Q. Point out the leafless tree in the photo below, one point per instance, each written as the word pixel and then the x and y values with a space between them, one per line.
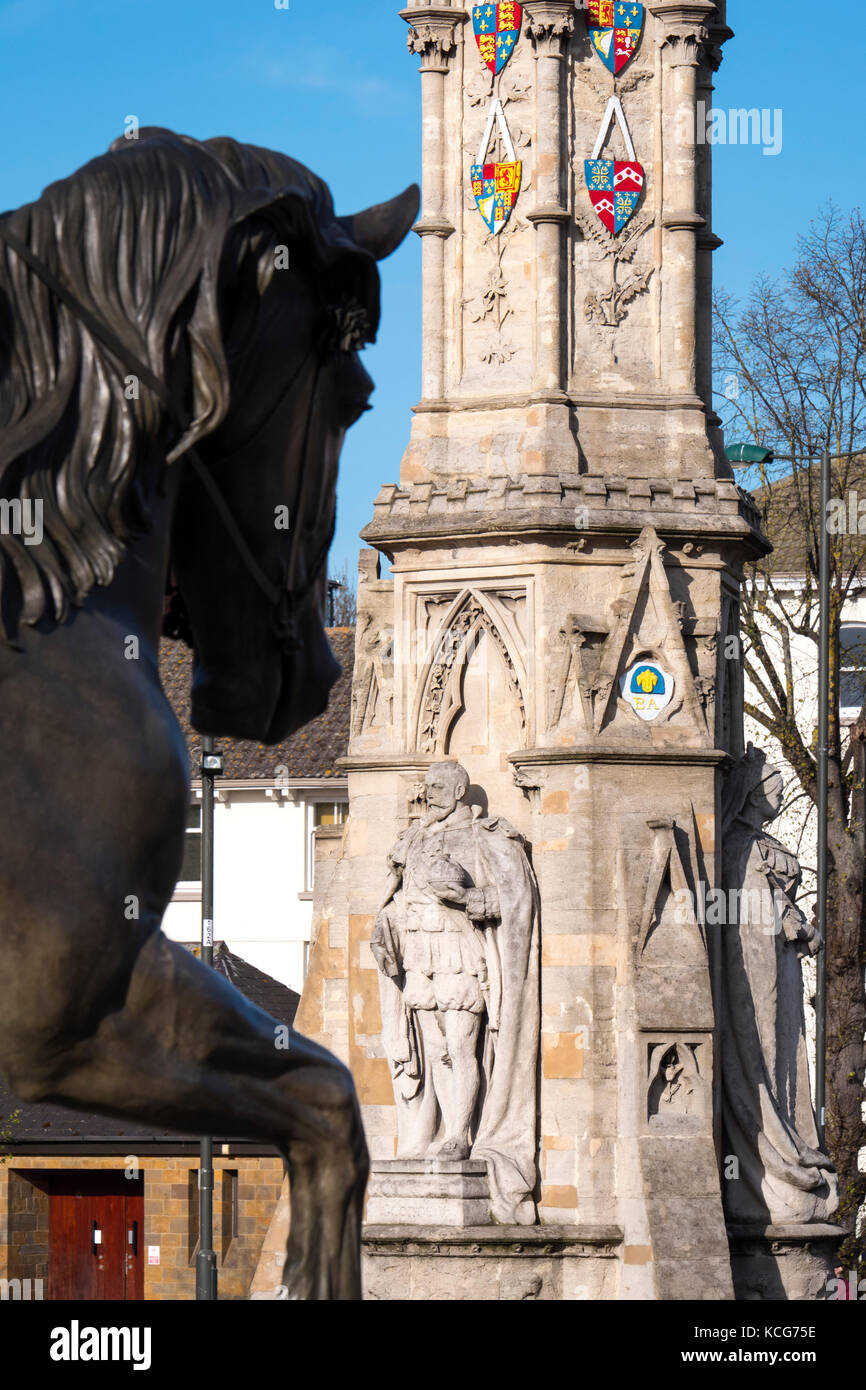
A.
pixel 345 600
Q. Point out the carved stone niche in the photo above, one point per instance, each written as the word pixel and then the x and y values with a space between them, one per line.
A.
pixel 678 1083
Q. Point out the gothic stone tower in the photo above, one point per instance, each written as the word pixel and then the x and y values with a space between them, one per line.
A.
pixel 566 542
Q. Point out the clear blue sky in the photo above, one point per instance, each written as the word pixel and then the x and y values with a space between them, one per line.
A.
pixel 332 83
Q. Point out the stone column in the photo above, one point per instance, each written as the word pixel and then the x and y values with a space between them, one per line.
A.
pixel 684 33
pixel 432 35
pixel 551 22
pixel 707 241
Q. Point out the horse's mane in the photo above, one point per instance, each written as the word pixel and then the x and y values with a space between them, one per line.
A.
pixel 147 237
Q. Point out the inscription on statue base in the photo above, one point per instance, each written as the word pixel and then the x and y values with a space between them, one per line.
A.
pixel 428 1192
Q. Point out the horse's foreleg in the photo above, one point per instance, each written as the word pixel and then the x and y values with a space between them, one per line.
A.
pixel 187 1051
pixel 325 1215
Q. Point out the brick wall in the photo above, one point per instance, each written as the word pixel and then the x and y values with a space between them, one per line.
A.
pixel 170 1218
pixel 26 1219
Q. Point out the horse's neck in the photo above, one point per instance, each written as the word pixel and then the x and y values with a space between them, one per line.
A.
pixel 135 597
pixel 83 716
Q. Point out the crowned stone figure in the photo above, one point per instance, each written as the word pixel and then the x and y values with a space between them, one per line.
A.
pixel 456 942
pixel 769 1121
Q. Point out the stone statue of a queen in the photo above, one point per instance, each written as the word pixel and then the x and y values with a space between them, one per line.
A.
pixel 456 942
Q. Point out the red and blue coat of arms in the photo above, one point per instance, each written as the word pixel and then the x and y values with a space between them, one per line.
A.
pixel 497 29
pixel 496 187
pixel 615 27
pixel 614 185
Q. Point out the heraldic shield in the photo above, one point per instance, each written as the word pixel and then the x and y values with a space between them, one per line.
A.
pixel 615 27
pixel 497 29
pixel 614 185
pixel 496 183
pixel 496 187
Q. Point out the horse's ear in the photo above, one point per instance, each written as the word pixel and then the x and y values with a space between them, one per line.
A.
pixel 380 229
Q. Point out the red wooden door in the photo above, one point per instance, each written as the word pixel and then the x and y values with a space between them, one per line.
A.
pixel 97 1233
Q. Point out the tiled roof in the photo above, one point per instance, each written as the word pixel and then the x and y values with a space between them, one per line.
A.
pixel 312 752
pixel 785 503
pixel 53 1124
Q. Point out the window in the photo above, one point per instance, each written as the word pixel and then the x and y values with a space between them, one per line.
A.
pixel 230 1223
pixel 320 813
pixel 190 873
pixel 192 1211
pixel 852 676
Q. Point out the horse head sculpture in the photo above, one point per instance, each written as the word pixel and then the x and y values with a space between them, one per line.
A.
pixel 179 332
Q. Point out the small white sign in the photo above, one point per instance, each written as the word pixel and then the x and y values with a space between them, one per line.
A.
pixel 648 688
pixel 153 1254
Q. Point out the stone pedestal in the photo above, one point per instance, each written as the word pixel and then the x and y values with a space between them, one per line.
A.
pixel 491 1263
pixel 428 1192
pixel 783 1263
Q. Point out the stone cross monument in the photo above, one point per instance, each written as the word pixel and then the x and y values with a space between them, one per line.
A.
pixel 510 951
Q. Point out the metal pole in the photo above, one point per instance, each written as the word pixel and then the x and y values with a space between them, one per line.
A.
pixel 823 755
pixel 205 1265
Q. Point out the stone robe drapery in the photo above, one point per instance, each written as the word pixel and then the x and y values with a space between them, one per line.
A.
pixel 768 1117
pixel 506 1134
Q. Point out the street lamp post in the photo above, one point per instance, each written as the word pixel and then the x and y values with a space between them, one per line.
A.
pixel 205 1265
pixel 742 455
pixel 823 785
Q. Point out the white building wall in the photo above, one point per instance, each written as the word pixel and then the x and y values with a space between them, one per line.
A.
pixel 796 827
pixel 262 898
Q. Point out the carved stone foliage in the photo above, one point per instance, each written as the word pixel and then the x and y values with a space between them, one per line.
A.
pixel 491 306
pixel 603 83
pixel 684 47
pixel 472 616
pixel 610 308
pixel 433 41
pixel 550 24
pixel 529 779
pixel 512 88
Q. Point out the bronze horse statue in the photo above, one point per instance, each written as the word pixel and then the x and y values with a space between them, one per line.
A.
pixel 179 333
